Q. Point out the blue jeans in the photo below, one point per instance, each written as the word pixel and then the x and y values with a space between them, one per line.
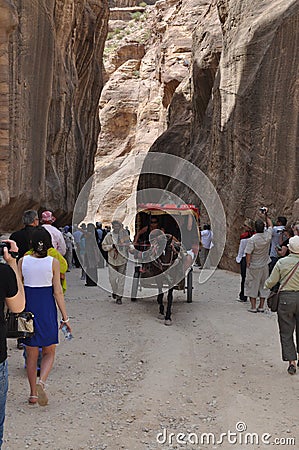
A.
pixel 3 393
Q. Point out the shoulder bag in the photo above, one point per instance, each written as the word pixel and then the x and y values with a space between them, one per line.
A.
pixel 19 325
pixel 273 298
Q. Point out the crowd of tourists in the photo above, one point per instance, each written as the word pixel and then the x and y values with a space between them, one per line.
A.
pixel 269 259
pixel 34 278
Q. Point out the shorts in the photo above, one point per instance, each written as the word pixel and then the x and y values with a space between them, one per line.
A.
pixel 255 282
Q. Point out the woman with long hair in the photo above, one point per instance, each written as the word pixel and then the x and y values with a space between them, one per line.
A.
pixel 43 291
pixel 57 255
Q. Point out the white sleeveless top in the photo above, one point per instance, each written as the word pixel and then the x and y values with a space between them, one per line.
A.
pixel 37 272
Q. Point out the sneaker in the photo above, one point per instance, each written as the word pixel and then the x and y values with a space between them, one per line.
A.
pixel 168 322
pixel 118 301
pixel 252 310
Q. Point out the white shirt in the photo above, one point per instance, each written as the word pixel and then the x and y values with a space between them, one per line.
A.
pixel 57 238
pixel 206 239
pixel 37 272
pixel 241 252
pixel 276 233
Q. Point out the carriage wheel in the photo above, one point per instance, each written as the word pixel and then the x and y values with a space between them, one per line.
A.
pixel 135 284
pixel 189 285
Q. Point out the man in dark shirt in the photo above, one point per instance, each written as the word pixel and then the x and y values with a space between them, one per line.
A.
pixel 23 236
pixel 11 294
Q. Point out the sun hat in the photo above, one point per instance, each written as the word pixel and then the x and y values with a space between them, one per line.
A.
pixel 47 217
pixel 294 244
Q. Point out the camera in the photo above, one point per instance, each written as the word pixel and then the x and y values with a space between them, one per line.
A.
pixel 280 231
pixel 263 210
pixel 2 245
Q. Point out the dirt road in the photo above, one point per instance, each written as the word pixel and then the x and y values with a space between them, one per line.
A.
pixel 126 381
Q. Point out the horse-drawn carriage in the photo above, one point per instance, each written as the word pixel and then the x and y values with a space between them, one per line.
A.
pixel 167 243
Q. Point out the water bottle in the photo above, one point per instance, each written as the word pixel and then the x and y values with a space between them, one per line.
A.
pixel 66 333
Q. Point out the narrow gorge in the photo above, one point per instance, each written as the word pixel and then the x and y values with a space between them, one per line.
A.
pixel 213 82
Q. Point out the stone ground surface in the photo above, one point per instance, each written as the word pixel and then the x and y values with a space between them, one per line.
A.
pixel 125 377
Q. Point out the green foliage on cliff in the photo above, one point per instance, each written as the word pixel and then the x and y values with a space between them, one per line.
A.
pixel 136 15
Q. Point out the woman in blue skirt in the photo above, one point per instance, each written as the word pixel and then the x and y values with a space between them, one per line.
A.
pixel 43 291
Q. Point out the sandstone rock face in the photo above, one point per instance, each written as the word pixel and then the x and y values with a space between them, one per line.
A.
pixel 8 23
pixel 188 105
pixel 51 79
pixel 244 128
pixel 253 133
pixel 148 61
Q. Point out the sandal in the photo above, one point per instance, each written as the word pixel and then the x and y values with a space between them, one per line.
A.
pixel 291 369
pixel 42 397
pixel 32 400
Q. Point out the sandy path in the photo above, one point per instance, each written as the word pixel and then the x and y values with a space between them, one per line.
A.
pixel 125 376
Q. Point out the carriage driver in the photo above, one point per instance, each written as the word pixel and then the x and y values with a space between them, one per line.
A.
pixel 141 238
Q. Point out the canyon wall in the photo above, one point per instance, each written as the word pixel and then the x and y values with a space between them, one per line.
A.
pixel 249 148
pixel 147 59
pixel 51 80
pixel 214 82
pixel 243 132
